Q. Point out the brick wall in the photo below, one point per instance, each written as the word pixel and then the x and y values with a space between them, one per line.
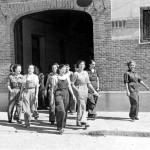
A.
pixel 111 55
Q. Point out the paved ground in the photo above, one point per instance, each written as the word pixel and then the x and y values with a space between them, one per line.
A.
pixel 117 132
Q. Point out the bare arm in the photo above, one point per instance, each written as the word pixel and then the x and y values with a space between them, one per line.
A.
pixel 70 88
pixel 97 83
pixel 144 85
pixel 53 87
pixel 8 85
pixel 127 89
pixel 74 78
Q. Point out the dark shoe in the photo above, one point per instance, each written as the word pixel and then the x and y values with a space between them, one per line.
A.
pixel 136 118
pixel 52 122
pixel 19 121
pixel 10 121
pixel 85 124
pixel 78 124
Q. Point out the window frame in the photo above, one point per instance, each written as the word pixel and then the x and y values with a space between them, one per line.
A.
pixel 142 40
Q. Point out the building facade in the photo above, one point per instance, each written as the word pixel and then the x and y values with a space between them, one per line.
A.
pixel 113 33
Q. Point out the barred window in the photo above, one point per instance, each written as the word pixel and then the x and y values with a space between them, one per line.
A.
pixel 118 24
pixel 145 25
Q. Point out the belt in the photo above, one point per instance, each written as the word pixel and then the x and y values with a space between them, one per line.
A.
pixel 16 88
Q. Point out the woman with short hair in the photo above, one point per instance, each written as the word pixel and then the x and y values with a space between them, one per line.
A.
pixel 80 84
pixel 29 94
pixel 131 81
pixel 92 99
pixel 61 87
pixel 14 85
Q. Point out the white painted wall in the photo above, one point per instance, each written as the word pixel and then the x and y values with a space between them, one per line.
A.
pixel 127 9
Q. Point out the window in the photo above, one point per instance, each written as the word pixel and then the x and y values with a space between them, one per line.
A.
pixel 145 25
pixel 118 24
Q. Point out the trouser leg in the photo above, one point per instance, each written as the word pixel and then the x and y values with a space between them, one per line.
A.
pixel 51 109
pixel 10 109
pixel 60 112
pixel 26 108
pixel 18 108
pixel 134 105
pixel 33 106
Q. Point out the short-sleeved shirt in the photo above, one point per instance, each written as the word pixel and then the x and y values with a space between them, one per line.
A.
pixel 81 78
pixel 31 81
pixel 15 81
pixel 132 78
pixel 51 76
pixel 93 78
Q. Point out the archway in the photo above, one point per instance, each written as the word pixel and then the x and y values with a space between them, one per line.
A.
pixel 62 36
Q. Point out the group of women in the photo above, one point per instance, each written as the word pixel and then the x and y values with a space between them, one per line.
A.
pixel 64 89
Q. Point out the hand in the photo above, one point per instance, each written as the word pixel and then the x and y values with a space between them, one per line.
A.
pixel 96 94
pixel 74 98
pixel 11 91
pixel 128 93
pixel 147 88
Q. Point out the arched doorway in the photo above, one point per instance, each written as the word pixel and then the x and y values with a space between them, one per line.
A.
pixel 62 36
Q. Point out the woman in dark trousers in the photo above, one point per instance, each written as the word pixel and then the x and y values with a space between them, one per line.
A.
pixel 61 87
pixel 92 99
pixel 14 85
pixel 131 80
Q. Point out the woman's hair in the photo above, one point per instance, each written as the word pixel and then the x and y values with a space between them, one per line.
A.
pixel 31 65
pixel 61 66
pixel 91 61
pixel 55 64
pixel 11 67
pixel 79 62
pixel 67 65
pixel 130 62
pixel 15 67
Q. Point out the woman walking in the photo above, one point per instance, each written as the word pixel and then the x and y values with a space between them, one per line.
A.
pixel 72 105
pixel 29 92
pixel 92 99
pixel 48 88
pixel 61 85
pixel 80 84
pixel 14 85
pixel 41 94
pixel 131 80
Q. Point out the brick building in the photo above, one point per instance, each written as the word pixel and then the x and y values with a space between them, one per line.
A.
pixel 47 31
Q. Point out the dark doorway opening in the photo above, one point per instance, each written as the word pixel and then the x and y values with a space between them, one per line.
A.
pixel 62 36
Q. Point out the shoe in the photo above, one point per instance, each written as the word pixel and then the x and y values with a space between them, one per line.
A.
pixel 10 121
pixel 61 131
pixel 36 121
pixel 85 123
pixel 78 124
pixel 19 121
pixel 136 118
pixel 132 118
pixel 52 122
pixel 26 125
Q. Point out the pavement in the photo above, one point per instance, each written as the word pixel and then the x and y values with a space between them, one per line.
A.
pixel 110 130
